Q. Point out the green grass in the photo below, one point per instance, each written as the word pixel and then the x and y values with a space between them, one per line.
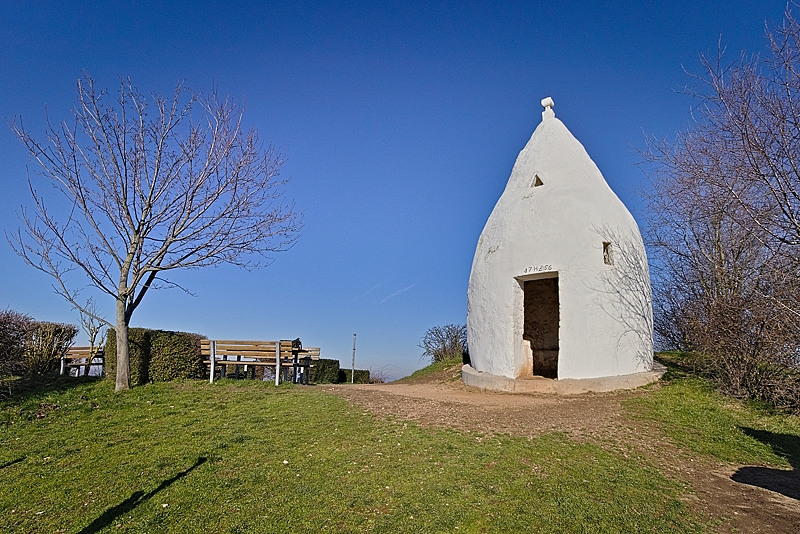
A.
pixel 249 457
pixel 698 418
pixel 434 368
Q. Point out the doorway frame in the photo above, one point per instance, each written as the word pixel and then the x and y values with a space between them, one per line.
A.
pixel 523 345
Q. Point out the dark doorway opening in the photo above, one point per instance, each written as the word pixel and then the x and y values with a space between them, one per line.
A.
pixel 541 325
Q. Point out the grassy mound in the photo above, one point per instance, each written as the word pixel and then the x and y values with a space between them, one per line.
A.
pixel 437 371
pixel 249 457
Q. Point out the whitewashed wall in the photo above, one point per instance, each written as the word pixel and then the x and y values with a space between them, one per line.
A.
pixel 559 228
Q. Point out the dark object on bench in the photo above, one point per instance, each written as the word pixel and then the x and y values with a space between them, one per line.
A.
pixel 301 365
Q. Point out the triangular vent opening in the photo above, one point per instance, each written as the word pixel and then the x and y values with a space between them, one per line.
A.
pixel 537 181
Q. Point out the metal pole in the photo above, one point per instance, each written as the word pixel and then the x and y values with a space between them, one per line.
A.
pixel 353 368
pixel 277 362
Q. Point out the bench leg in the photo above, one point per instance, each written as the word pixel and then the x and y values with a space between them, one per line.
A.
pixel 213 357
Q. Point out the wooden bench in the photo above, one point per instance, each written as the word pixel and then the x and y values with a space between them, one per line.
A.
pixel 251 354
pixel 77 357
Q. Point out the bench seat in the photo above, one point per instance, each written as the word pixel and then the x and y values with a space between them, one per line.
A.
pixel 77 357
pixel 258 354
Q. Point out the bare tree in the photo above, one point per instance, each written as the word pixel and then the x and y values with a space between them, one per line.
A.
pixel 752 108
pixel 716 283
pixel 94 330
pixel 152 185
pixel 46 344
pixel 379 375
pixel 724 223
pixel 441 343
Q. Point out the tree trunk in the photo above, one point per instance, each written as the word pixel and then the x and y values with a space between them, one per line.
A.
pixel 123 362
pixel 88 366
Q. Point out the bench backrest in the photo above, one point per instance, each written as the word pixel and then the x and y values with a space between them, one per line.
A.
pixel 77 353
pixel 253 349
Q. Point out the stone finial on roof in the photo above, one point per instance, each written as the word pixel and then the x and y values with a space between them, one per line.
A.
pixel 548 104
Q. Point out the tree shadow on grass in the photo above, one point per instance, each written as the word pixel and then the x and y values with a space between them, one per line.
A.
pixel 678 364
pixel 136 498
pixel 12 462
pixel 780 481
pixel 39 386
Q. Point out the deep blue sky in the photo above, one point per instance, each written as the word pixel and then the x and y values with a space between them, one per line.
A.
pixel 400 122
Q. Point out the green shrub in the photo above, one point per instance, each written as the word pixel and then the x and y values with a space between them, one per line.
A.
pixel 325 371
pixel 45 345
pixel 361 376
pixel 157 355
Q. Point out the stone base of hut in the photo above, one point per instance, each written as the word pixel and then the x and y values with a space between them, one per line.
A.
pixel 567 386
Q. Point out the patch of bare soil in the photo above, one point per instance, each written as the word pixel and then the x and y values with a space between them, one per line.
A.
pixel 733 496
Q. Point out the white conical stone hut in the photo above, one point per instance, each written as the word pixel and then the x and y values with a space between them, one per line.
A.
pixel 559 286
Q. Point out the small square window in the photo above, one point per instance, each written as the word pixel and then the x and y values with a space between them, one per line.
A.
pixel 608 256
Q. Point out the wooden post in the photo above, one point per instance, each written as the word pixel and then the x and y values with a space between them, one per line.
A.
pixel 213 351
pixel 277 362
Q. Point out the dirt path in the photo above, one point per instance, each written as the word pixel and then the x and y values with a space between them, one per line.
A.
pixel 442 400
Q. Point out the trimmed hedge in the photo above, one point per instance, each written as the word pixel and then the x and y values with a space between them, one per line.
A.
pixel 361 376
pixel 157 355
pixel 329 372
pixel 325 371
pixel 175 355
